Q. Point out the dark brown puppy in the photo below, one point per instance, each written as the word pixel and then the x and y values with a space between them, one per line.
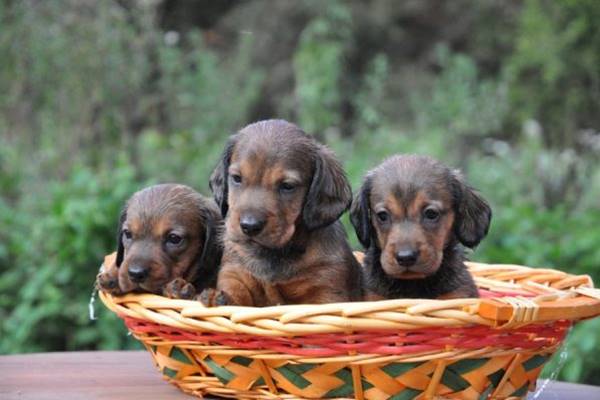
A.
pixel 410 215
pixel 168 243
pixel 282 194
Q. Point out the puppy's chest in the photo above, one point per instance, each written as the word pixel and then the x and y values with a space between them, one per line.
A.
pixel 271 269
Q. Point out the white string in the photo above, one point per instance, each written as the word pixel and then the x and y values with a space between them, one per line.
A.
pixel 91 308
pixel 562 358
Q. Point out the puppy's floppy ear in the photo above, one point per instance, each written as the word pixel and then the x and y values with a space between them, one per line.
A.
pixel 329 194
pixel 473 213
pixel 120 248
pixel 207 266
pixel 218 179
pixel 360 214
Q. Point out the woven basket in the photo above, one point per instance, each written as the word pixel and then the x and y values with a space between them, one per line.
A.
pixel 493 347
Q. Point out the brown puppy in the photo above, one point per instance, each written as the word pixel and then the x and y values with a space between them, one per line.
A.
pixel 168 244
pixel 410 215
pixel 282 194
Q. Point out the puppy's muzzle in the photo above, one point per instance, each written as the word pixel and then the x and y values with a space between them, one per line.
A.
pixel 407 257
pixel 111 283
pixel 252 224
pixel 138 273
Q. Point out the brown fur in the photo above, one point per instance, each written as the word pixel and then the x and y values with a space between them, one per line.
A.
pixel 170 233
pixel 392 216
pixel 274 173
pixel 108 276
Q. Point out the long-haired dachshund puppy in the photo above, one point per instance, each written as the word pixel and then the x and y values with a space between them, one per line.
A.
pixel 167 243
pixel 410 215
pixel 282 194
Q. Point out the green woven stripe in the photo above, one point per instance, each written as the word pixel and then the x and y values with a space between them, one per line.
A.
pixel 397 369
pixel 534 362
pixel 169 372
pixel 454 381
pixel 347 388
pixel 521 391
pixel 300 368
pixel 293 373
pixel 496 377
pixel 259 382
pixel 406 394
pixel 245 361
pixel 486 393
pixel 468 365
pixel 179 355
pixel 222 373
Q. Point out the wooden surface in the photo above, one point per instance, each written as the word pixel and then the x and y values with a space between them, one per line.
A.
pixel 130 375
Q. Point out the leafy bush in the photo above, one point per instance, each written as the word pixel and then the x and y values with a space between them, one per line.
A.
pixel 56 243
pixel 125 107
pixel 318 64
pixel 554 67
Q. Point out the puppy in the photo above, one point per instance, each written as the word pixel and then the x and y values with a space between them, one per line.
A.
pixel 167 243
pixel 282 194
pixel 410 215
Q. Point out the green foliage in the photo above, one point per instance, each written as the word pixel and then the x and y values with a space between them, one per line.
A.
pixel 369 100
pixel 123 107
pixel 107 87
pixel 553 71
pixel 57 239
pixel 460 105
pixel 318 64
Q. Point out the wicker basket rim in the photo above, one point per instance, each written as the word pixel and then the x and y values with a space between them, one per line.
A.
pixel 536 296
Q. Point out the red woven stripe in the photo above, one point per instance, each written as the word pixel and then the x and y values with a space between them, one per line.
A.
pixel 488 294
pixel 371 342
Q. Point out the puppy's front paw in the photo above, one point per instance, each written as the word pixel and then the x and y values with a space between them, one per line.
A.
pixel 212 297
pixel 179 288
pixel 222 299
pixel 108 283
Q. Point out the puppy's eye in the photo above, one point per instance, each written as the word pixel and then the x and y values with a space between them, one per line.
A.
pixel 174 238
pixel 286 187
pixel 127 234
pixel 236 179
pixel 383 216
pixel 431 214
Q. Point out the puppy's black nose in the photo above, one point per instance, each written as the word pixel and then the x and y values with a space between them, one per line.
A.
pixel 137 273
pixel 407 257
pixel 251 225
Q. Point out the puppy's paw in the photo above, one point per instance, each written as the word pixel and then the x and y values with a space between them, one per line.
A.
pixel 108 283
pixel 206 296
pixel 222 299
pixel 179 288
pixel 212 297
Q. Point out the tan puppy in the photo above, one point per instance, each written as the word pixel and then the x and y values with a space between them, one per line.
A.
pixel 168 244
pixel 282 194
pixel 410 215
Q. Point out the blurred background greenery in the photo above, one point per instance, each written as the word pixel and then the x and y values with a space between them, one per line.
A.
pixel 99 98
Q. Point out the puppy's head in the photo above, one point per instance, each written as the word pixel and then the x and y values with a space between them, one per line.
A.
pixel 272 179
pixel 165 232
pixel 412 208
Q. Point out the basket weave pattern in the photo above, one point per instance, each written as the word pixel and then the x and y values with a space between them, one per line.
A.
pixel 492 347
